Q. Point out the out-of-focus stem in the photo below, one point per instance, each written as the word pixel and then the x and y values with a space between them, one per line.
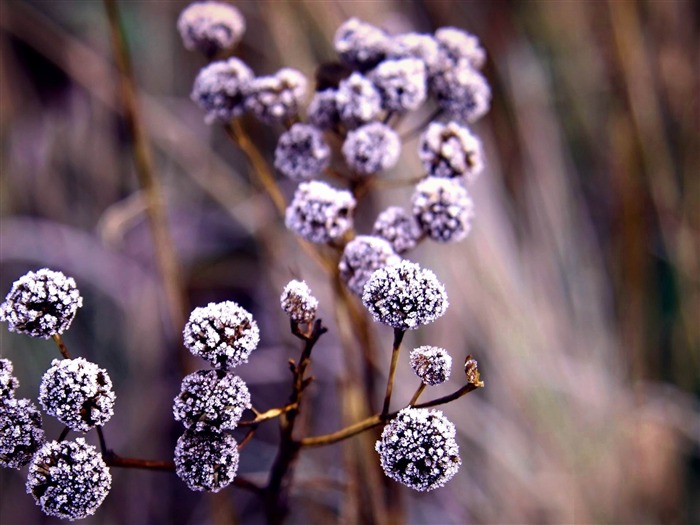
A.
pixel 61 346
pixel 398 337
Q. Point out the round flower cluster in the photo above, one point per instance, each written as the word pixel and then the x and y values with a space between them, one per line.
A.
pixel 397 227
pixel 297 301
pixel 41 304
pixel 361 257
pixel 416 45
pixel 462 92
pixel 302 152
pixel 68 479
pixel 431 364
pixel 451 150
pixel 372 148
pixel 405 296
pixel 206 461
pixel 210 27
pixel 357 101
pixel 418 449
pixel 8 382
pixel 78 393
pixel 457 46
pixel 222 333
pixel 359 44
pixel 401 83
pixel 320 213
pixel 21 433
pixel 219 89
pixel 276 97
pixel 443 209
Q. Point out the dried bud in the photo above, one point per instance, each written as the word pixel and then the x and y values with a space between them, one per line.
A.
pixel 8 382
pixel 457 45
pixel 398 227
pixel 416 45
pixel 357 101
pixel 451 150
pixel 471 370
pixel 462 92
pixel 359 44
pixel 21 434
pixel 276 98
pixel 401 83
pixel 323 109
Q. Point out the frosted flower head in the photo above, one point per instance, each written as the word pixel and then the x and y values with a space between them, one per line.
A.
pixel 451 150
pixel 78 393
pixel 41 304
pixel 277 97
pixel 210 27
pixel 211 400
pixel 405 296
pixel 8 382
pixel 416 45
pixel 298 302
pixel 302 152
pixel 206 461
pixel 69 480
pixel 443 208
pixel 431 363
pixel 320 213
pixel 372 148
pixel 457 45
pixel 418 449
pixel 358 101
pixel 21 434
pixel 361 257
pixel 398 227
pixel 222 333
pixel 323 109
pixel 401 83
pixel 359 44
pixel 219 89
pixel 462 92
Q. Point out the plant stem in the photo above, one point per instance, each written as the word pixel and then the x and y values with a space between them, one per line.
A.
pixel 415 397
pixel 61 346
pixel 398 337
pixel 268 414
pixel 408 135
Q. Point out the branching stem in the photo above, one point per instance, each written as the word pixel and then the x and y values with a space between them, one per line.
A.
pixel 398 337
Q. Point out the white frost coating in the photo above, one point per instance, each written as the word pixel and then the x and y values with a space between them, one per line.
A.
pixel 320 213
pixel 78 393
pixel 222 333
pixel 323 109
pixel 358 101
pixel 361 257
pixel 462 92
pixel 372 148
pixel 416 45
pixel 401 83
pixel 8 382
pixel 206 461
pixel 20 432
pixel 431 364
pixel 405 296
pixel 275 98
pixel 69 480
pixel 418 449
pixel 219 88
pixel 451 150
pixel 41 304
pixel 397 227
pixel 298 302
pixel 443 208
pixel 302 152
pixel 359 44
pixel 457 45
pixel 210 27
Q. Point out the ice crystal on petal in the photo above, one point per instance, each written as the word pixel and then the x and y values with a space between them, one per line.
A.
pixel 401 83
pixel 443 208
pixel 298 302
pixel 372 148
pixel 206 461
pixel 20 432
pixel 451 150
pixel 358 101
pixel 361 257
pixel 219 89
pixel 457 45
pixel 431 363
pixel 277 97
pixel 210 27
pixel 320 213
pixel 8 382
pixel 398 227
pixel 462 92
pixel 359 44
pixel 302 152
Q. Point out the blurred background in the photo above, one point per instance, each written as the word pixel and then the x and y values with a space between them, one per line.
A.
pixel 577 291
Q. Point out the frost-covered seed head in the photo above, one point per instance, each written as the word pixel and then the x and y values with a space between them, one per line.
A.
pixel 405 296
pixel 211 400
pixel 398 227
pixel 431 363
pixel 219 89
pixel 302 152
pixel 69 479
pixel 418 449
pixel 457 45
pixel 210 27
pixel 359 44
pixel 358 101
pixel 443 208
pixel 361 257
pixel 21 434
pixel 320 213
pixel 401 83
pixel 222 333
pixel 416 45
pixel 462 92
pixel 323 109
pixel 78 393
pixel 206 461
pixel 372 148
pixel 451 150
pixel 297 301
pixel 8 382
pixel 276 98
pixel 41 304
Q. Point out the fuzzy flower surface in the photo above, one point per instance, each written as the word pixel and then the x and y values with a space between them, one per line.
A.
pixel 457 45
pixel 357 101
pixel 361 257
pixel 78 393
pixel 210 27
pixel 219 89
pixel 462 92
pixel 401 83
pixel 277 97
pixel 206 461
pixel 41 304
pixel 21 433
pixel 360 44
pixel 405 296
pixel 68 480
pixel 431 364
pixel 372 148
pixel 418 449
pixel 222 333
pixel 451 150
pixel 398 227
pixel 320 213
pixel 443 208
pixel 302 152
pixel 416 45
pixel 8 382
pixel 323 109
pixel 298 302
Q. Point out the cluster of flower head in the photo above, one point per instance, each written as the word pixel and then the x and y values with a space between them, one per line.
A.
pixel 431 364
pixel 298 302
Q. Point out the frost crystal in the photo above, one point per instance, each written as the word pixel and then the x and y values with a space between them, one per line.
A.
pixel 457 45
pixel 77 392
pixel 418 449
pixel 359 44
pixel 405 296
pixel 462 92
pixel 211 400
pixel 320 213
pixel 302 152
pixel 69 479
pixel 358 101
pixel 275 98
pixel 222 333
pixel 219 87
pixel 8 382
pixel 206 461
pixel 361 257
pixel 323 109
pixel 451 150
pixel 20 432
pixel 398 227
pixel 41 304
pixel 210 27
pixel 401 83
pixel 372 148
pixel 298 302
pixel 443 209
pixel 416 45
pixel 431 364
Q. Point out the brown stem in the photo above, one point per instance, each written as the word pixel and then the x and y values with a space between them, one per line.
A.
pixel 268 414
pixel 249 435
pixel 64 434
pixel 415 397
pixel 398 337
pixel 61 346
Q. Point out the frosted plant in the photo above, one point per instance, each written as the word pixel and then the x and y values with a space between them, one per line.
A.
pixel 361 257
pixel 357 101
pixel 323 109
pixel 277 97
pixel 219 87
pixel 416 45
pixel 206 461
pixel 451 150
pixel 21 433
pixel 372 148
pixel 302 152
pixel 401 83
pixel 398 227
pixel 457 45
pixel 222 333
pixel 443 209
pixel 78 393
pixel 359 44
pixel 462 92
pixel 41 304
pixel 68 479
pixel 210 27
pixel 431 364
pixel 320 213
pixel 8 382
pixel 298 302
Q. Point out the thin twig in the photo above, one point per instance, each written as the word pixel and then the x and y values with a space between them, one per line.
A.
pixel 61 346
pixel 268 414
pixel 415 397
pixel 398 337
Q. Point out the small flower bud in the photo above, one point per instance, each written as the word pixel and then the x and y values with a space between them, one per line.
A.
pixel 206 461
pixel 298 302
pixel 21 434
pixel 302 152
pixel 361 257
pixel 372 148
pixel 431 364
pixel 398 227
pixel 451 150
pixel 443 209
pixel 210 27
pixel 359 44
pixel 8 382
pixel 219 87
pixel 276 98
pixel 401 83
pixel 358 101
pixel 320 213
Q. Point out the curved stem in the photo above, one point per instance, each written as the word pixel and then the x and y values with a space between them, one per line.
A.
pixel 61 346
pixel 268 414
pixel 415 397
pixel 398 337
